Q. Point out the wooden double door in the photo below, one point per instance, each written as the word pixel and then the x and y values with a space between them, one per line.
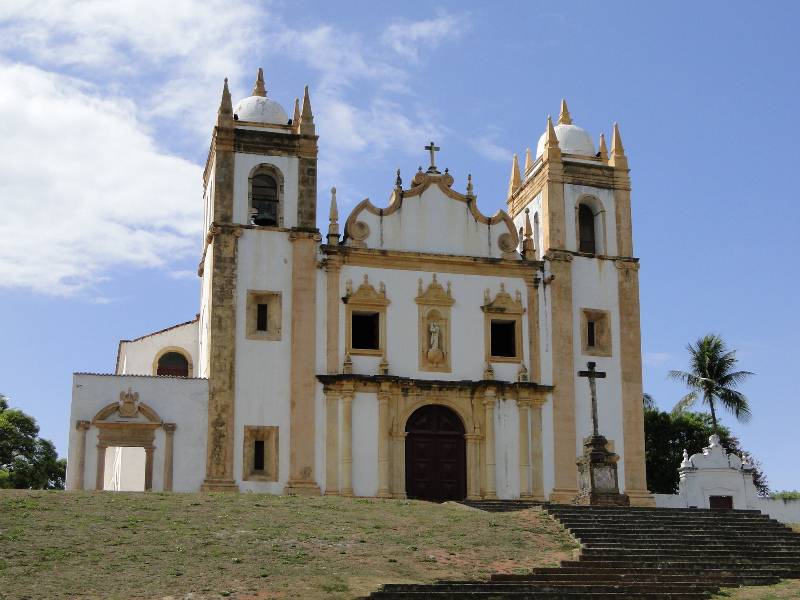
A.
pixel 435 455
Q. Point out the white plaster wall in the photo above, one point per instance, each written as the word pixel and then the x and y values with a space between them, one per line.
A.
pixel 594 285
pixel 506 427
pixel 176 400
pixel 124 469
pixel 244 164
pixel 468 358
pixel 137 356
pixel 572 193
pixel 433 222
pixel 263 366
pixel 785 511
pixel 204 324
pixel 365 444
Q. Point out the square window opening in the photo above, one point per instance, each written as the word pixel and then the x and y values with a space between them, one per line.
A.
pixel 261 317
pixel 258 455
pixel 503 338
pixel 365 331
pixel 590 334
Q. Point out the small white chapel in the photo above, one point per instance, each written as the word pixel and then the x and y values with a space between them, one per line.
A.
pixel 416 348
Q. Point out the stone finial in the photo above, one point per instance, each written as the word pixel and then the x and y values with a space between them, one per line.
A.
pixel 383 367
pixel 296 116
pixel 686 462
pixel 528 160
pixel 515 181
pixel 225 111
pixel 618 158
pixel 528 252
pixel 603 153
pixel 552 151
pixel 333 217
pixel 128 403
pixel 347 366
pixel 470 189
pixel 522 373
pixel 306 116
pixel 564 118
pixel 259 89
pixel 419 287
pixel 713 441
pixel 486 296
pixel 348 287
pixel 398 181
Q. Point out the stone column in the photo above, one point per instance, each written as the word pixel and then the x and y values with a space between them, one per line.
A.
pixel 534 349
pixel 384 395
pixel 148 468
pixel 523 403
pixel 490 485
pixel 302 377
pixel 331 442
pixel 100 471
pixel 169 444
pixel 537 482
pixel 80 475
pixel 347 442
pixel 334 302
pixel 473 466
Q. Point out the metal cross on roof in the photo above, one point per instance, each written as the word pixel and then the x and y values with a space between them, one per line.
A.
pixel 432 149
pixel 593 375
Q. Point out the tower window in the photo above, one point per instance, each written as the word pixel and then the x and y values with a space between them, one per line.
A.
pixel 595 332
pixel 261 317
pixel 586 234
pixel 258 455
pixel 503 338
pixel 366 330
pixel 590 339
pixel 264 190
pixel 174 364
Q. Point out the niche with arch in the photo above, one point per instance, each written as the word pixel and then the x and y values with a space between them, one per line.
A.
pixel 434 326
pixel 590 225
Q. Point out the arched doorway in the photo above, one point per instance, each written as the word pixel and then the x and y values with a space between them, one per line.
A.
pixel 435 455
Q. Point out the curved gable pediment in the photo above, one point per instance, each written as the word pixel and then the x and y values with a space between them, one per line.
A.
pixel 432 217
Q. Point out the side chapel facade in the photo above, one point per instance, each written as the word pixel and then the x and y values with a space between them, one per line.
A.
pixel 417 349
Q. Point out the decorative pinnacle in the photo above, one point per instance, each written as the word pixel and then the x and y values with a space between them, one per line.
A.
pixel 603 149
pixel 398 181
pixel 259 89
pixel 551 141
pixel 334 214
pixel 470 189
pixel 564 118
pixel 616 142
pixel 306 116
pixel 528 228
pixel 528 252
pixel 225 111
pixel 528 160
pixel 296 117
pixel 515 180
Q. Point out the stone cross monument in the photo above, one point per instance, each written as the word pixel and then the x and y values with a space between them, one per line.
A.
pixel 597 468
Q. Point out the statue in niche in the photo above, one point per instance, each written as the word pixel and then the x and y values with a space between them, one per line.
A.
pixel 434 331
pixel 434 353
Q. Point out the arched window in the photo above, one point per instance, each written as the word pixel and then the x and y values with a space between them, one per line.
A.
pixel 173 363
pixel 586 236
pixel 264 207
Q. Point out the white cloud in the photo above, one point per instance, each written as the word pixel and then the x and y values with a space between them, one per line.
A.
pixel 83 188
pixel 411 38
pixel 487 146
pixel 102 82
pixel 656 359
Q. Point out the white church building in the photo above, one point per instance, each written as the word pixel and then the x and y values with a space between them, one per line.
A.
pixel 418 348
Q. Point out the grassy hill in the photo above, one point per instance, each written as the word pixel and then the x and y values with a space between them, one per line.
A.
pixel 249 546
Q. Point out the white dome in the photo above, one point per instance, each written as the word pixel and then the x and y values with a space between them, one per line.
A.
pixel 571 139
pixel 260 109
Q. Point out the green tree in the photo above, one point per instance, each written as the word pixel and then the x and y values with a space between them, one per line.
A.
pixel 713 378
pixel 26 460
pixel 668 434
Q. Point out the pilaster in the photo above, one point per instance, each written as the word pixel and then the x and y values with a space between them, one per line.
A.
pixel 534 341
pixel 333 269
pixel 347 442
pixel 384 395
pixel 82 427
pixel 537 454
pixel 331 443
pixel 302 420
pixel 523 404
pixel 489 485
pixel 169 453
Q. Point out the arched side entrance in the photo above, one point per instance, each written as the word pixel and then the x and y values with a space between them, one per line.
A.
pixel 435 455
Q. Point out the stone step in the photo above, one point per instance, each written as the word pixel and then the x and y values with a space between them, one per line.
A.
pixel 592 579
pixel 643 544
pixel 538 595
pixel 733 564
pixel 707 552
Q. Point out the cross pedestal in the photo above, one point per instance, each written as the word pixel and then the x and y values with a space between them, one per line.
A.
pixel 597 467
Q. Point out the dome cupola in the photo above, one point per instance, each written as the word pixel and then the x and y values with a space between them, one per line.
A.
pixel 257 108
pixel 571 138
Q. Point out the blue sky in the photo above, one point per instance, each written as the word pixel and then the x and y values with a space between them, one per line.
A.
pixel 106 111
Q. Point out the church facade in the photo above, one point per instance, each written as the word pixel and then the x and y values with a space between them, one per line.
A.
pixel 417 348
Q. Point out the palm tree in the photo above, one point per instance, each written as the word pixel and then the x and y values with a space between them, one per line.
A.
pixel 712 377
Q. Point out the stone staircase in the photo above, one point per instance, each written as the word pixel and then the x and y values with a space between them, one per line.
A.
pixel 657 553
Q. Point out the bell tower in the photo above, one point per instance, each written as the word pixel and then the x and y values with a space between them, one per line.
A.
pixel 579 199
pixel 258 294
